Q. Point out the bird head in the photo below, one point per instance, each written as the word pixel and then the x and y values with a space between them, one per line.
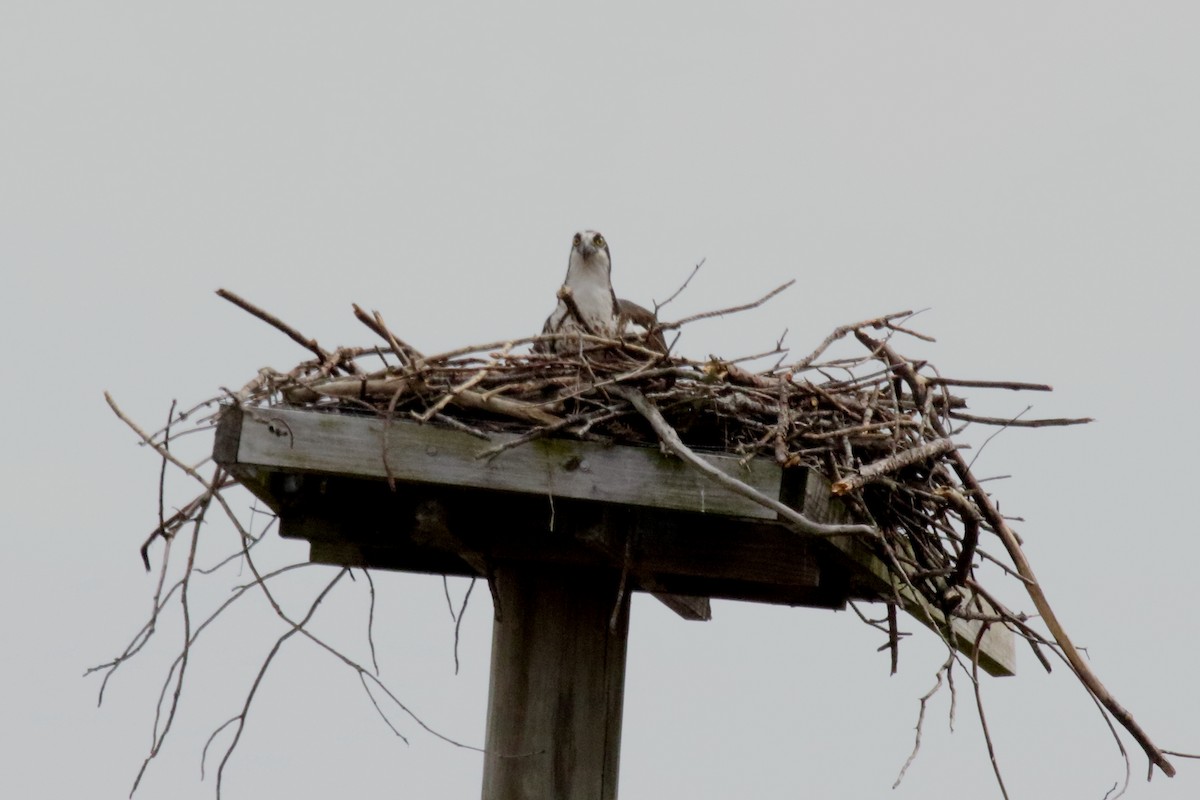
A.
pixel 591 249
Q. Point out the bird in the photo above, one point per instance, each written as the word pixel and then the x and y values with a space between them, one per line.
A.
pixel 588 304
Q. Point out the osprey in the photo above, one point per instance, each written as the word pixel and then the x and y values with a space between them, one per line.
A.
pixel 588 304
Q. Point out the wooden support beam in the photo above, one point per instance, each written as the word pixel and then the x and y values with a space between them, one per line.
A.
pixel 690 607
pixel 459 532
pixel 674 531
pixel 557 684
pixel 365 446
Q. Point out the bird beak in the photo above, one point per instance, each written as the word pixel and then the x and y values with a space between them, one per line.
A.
pixel 587 250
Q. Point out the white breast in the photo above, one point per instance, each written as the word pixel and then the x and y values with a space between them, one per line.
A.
pixel 593 298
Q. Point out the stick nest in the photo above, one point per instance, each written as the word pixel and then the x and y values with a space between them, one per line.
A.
pixel 880 426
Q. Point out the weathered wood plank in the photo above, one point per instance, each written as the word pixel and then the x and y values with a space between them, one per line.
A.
pixel 354 445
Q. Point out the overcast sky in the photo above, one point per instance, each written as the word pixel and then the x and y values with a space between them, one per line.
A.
pixel 1027 171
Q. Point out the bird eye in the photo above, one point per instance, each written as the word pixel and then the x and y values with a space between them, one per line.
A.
pixel 598 240
pixel 578 240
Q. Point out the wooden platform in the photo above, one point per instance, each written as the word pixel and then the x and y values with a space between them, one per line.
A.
pixel 555 501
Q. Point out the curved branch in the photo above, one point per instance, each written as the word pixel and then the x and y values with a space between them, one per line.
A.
pixel 671 439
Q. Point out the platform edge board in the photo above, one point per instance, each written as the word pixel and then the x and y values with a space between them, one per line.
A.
pixel 343 444
pixel 259 446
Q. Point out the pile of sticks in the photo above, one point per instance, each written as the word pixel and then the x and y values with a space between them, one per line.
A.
pixel 879 425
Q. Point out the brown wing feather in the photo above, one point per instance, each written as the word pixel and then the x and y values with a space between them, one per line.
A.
pixel 631 312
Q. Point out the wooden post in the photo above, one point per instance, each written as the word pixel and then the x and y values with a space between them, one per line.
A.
pixel 557 684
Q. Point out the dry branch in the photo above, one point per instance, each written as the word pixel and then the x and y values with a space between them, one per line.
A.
pixel 905 458
pixel 671 439
pixel 274 321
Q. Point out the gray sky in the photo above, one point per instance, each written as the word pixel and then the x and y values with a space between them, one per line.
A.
pixel 1029 171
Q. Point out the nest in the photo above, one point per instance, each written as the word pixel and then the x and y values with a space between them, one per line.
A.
pixel 879 425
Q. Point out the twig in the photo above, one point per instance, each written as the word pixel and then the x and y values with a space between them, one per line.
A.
pixel 240 719
pixel 1019 423
pixel 456 391
pixel 987 735
pixel 841 331
pixel 458 620
pixel 722 312
pixel 405 352
pixel 993 435
pixel 893 637
pixel 271 319
pixel 449 602
pixel 371 620
pixel 162 480
pixel 971 518
pixel 898 461
pixel 920 726
pixel 659 306
pixel 1016 386
pixel 671 439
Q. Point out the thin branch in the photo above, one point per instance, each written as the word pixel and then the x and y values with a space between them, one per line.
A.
pixel 406 353
pixel 1019 423
pixel 458 620
pixel 722 312
pixel 659 306
pixel 840 332
pixel 240 724
pixel 987 735
pixel 671 439
pixel 893 463
pixel 1016 386
pixel 272 320
pixel 371 620
pixel 920 726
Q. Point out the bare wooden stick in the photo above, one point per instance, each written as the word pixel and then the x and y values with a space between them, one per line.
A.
pixel 179 519
pixel 348 388
pixel 971 518
pixel 723 311
pixel 659 306
pixel 404 351
pixel 1018 423
pixel 854 430
pixel 465 386
pixel 905 458
pixel 517 409
pixel 671 439
pixel 1016 386
pixel 841 331
pixel 271 319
